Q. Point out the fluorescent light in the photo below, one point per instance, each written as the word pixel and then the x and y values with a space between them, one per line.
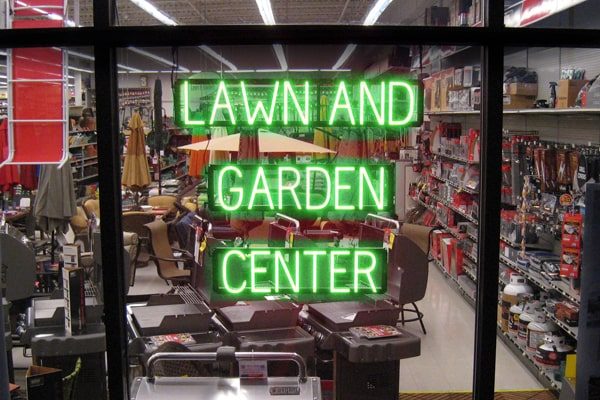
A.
pixel 155 71
pixel 280 56
pixel 2 76
pixel 372 17
pixel 345 55
pixel 91 58
pixel 266 11
pixel 89 71
pixel 218 57
pixel 376 11
pixel 157 58
pixel 155 12
pixel 51 16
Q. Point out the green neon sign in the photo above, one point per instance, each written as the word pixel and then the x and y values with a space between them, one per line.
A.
pixel 301 188
pixel 248 272
pixel 391 102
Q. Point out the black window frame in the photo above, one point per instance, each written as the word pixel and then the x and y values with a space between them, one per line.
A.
pixel 492 38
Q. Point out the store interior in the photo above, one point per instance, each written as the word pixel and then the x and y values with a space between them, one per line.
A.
pixel 175 221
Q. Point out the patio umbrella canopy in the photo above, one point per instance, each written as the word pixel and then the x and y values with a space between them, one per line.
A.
pixel 136 172
pixel 55 200
pixel 268 142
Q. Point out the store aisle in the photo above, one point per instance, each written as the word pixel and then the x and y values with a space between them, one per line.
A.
pixel 446 361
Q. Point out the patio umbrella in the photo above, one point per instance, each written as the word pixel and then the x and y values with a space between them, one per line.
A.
pixel 55 200
pixel 268 142
pixel 136 174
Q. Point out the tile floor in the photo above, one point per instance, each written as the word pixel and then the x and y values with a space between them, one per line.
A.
pixel 446 357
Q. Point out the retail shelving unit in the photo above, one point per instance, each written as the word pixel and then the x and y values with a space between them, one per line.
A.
pixel 564 125
pixel 84 159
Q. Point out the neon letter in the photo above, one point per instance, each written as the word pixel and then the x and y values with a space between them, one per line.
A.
pixel 338 187
pixel 314 254
pixel 364 91
pixel 262 179
pixel 291 188
pixel 222 91
pixel 411 103
pixel 287 89
pixel 346 105
pixel 238 190
pixel 364 271
pixel 186 106
pixel 254 270
pixel 333 270
pixel 259 106
pixel 364 177
pixel 225 280
pixel 321 206
pixel 281 263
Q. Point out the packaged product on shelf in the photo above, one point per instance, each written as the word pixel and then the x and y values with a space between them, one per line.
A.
pixel 471 180
pixel 427 93
pixel 521 89
pixel 510 296
pixel 458 77
pixel 447 245
pixel 436 237
pixel 462 201
pixel 551 270
pixel 568 89
pixel 514 313
pixel 537 330
pixel 456 267
pixel 475 98
pixel 537 258
pixel 550 354
pixel 573 167
pixel 572 230
pixel 563 173
pixel 529 313
pixel 570 263
pixel 567 312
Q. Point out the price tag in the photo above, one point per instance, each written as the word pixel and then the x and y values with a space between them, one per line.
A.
pixel 253 369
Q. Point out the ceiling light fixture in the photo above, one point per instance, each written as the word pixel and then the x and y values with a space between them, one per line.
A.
pixel 155 12
pixel 218 57
pixel 157 58
pixel 372 17
pixel 266 11
pixel 280 56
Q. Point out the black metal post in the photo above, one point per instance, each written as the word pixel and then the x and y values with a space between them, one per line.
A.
pixel 489 205
pixel 109 164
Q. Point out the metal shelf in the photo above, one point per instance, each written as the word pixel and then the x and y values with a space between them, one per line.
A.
pixel 77 146
pixel 527 245
pixel 456 210
pixel 456 158
pixel 456 185
pixel 86 178
pixel 570 330
pixel 528 361
pixel 537 279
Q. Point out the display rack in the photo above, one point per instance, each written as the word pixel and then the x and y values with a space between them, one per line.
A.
pixel 84 160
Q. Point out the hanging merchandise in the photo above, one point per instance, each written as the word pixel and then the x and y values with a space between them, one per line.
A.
pixel 510 297
pixel 537 330
pixel 571 246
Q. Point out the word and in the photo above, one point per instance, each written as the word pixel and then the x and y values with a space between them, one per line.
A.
pixel 273 271
pixel 390 103
pixel 301 188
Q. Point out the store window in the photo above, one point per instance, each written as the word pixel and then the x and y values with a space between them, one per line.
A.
pixel 339 12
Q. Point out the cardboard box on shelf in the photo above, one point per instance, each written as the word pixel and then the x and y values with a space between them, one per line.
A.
pixel 457 261
pixel 447 82
pixel 517 102
pixel 471 76
pixel 521 89
pixel 568 89
pixel 458 78
pixel 447 250
pixel 428 93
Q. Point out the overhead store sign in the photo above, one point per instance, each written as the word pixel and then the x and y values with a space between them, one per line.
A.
pixel 265 103
pixel 301 189
pixel 251 272
pixel 531 11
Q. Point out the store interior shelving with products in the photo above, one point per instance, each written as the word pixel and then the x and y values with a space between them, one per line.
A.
pixel 535 243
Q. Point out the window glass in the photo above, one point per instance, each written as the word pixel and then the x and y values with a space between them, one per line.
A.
pixel 31 14
pixel 50 220
pixel 259 12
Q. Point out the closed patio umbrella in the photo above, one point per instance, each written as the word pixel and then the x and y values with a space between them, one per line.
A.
pixel 55 200
pixel 136 173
